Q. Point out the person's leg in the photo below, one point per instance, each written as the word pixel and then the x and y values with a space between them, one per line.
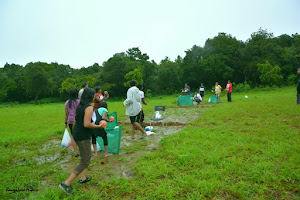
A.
pixel 298 98
pixel 85 155
pixel 132 131
pixel 72 140
pixel 142 119
pixel 94 145
pixel 138 126
pixel 105 142
pixel 229 96
pixel 85 151
pixel 132 120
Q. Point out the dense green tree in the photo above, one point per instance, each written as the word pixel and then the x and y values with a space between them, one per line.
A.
pixel 71 83
pixel 136 74
pixel 11 82
pixel 270 75
pixel 168 80
pixel 261 60
pixel 114 70
pixel 37 81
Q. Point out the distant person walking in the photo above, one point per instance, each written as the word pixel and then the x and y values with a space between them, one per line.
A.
pixel 133 108
pixel 298 87
pixel 229 90
pixel 142 94
pixel 84 85
pixel 70 109
pixel 202 90
pixel 218 90
pixel 82 136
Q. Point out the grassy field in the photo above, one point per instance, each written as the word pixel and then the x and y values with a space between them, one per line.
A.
pixel 247 149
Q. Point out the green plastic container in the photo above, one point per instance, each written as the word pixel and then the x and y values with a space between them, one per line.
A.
pixel 186 100
pixel 113 124
pixel 113 138
pixel 213 99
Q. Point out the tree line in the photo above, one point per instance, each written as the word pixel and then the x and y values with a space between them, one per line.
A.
pixel 262 60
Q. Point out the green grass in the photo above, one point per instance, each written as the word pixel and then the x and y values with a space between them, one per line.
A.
pixel 247 149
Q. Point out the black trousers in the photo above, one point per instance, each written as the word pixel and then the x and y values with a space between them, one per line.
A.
pixel 229 96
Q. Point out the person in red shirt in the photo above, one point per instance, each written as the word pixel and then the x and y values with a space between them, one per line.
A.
pixel 229 90
pixel 99 97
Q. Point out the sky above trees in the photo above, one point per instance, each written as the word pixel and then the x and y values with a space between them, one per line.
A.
pixel 81 33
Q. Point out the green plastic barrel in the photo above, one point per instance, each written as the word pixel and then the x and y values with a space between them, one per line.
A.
pixel 186 100
pixel 113 138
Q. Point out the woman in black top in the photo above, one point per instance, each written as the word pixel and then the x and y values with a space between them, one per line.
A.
pixel 82 136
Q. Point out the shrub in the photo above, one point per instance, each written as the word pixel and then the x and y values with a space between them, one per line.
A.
pixel 292 79
pixel 242 87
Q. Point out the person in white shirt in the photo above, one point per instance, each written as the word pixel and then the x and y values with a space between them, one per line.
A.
pixel 84 85
pixel 133 108
pixel 197 98
pixel 142 115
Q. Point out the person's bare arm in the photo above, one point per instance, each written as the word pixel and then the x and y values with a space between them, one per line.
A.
pixel 104 117
pixel 144 102
pixel 106 95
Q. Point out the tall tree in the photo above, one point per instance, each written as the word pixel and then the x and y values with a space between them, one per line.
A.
pixel 36 81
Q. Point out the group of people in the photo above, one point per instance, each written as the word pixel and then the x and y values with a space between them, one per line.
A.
pixel 198 97
pixel 84 119
pixel 218 90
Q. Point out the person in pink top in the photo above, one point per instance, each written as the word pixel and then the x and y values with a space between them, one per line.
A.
pixel 70 109
pixel 229 90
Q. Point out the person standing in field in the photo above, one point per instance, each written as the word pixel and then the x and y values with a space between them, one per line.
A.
pixel 229 90
pixel 298 87
pixel 100 114
pixel 82 136
pixel 99 97
pixel 142 94
pixel 84 86
pixel 202 90
pixel 218 90
pixel 133 108
pixel 70 109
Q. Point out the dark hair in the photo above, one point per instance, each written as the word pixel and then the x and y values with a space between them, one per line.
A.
pixel 72 97
pixel 103 104
pixel 97 89
pixel 140 86
pixel 84 84
pixel 132 83
pixel 87 97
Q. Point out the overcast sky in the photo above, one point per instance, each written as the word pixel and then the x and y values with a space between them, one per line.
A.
pixel 83 32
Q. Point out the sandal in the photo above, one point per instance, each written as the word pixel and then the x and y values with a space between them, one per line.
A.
pixel 87 179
